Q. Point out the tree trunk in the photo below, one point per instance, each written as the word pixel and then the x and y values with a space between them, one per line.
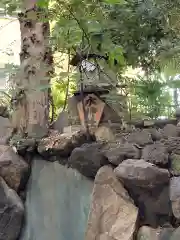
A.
pixel 31 116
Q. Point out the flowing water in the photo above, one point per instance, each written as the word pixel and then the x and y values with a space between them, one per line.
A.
pixel 57 203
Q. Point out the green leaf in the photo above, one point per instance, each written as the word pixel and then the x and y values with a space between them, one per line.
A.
pixel 43 3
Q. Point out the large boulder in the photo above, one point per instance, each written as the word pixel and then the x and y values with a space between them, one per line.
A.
pixel 88 159
pixel 61 145
pixel 140 137
pixel 104 133
pixel 112 215
pixel 141 173
pixel 170 130
pixel 175 196
pixel 116 152
pixel 12 167
pixel 155 153
pixel 11 213
pixel 155 134
pixel 5 130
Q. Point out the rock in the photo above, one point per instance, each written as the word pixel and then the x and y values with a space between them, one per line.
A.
pixel 24 145
pixel 117 152
pixel 112 214
pixel 154 204
pixel 170 130
pixel 104 133
pixel 11 213
pixel 166 233
pixel 155 134
pixel 141 138
pixel 12 167
pixel 172 144
pixel 176 234
pixel 4 111
pixel 88 159
pixel 148 233
pixel 175 196
pixel 142 173
pixel 5 130
pixel 61 145
pixel 175 164
pixel 155 153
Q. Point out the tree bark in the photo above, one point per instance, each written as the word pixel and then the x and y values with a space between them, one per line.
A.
pixel 31 115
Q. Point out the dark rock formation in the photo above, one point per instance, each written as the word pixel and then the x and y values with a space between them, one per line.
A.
pixel 11 213
pixel 141 138
pixel 12 167
pixel 155 153
pixel 170 130
pixel 141 173
pixel 117 152
pixel 88 159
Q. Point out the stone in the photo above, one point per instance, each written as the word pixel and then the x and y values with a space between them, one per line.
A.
pixel 4 111
pixel 5 130
pixel 175 196
pixel 175 164
pixel 12 167
pixel 148 233
pixel 176 234
pixel 11 213
pixel 155 153
pixel 154 204
pixel 104 133
pixel 61 145
pixel 112 214
pixel 88 159
pixel 141 138
pixel 57 202
pixel 170 130
pixel 172 144
pixel 142 173
pixel 116 152
pixel 155 134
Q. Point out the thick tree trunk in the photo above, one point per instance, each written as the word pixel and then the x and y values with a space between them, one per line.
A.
pixel 32 84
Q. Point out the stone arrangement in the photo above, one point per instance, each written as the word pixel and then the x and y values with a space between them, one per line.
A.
pixel 136 178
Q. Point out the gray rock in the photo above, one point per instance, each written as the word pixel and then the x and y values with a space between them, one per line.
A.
pixel 88 159
pixel 154 204
pixel 11 213
pixel 5 130
pixel 117 152
pixel 57 203
pixel 170 130
pixel 175 196
pixel 172 144
pixel 155 134
pixel 175 235
pixel 148 233
pixel 155 153
pixel 142 173
pixel 12 167
pixel 141 138
pixel 61 122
